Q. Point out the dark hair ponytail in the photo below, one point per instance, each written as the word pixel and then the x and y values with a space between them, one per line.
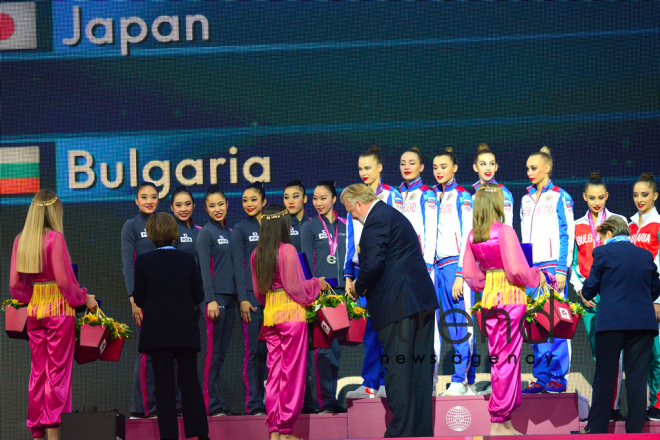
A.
pixel 373 151
pixel 649 179
pixel 330 185
pixel 449 152
pixel 295 183
pixel 182 189
pixel 213 189
pixel 595 180
pixel 482 149
pixel 258 187
pixel 418 152
pixel 145 184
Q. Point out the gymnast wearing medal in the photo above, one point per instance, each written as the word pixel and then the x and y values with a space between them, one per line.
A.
pixel 645 233
pixel 217 269
pixel 134 242
pixel 244 240
pixel 324 244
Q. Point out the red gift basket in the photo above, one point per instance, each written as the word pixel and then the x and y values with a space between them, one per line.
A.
pixel 319 339
pixel 15 319
pixel 92 337
pixel 355 334
pixel 112 352
pixel 557 316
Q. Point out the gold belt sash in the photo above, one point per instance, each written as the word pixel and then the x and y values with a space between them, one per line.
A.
pixel 47 300
pixel 500 291
pixel 281 308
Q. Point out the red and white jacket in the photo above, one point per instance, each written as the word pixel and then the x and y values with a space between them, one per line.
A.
pixel 586 239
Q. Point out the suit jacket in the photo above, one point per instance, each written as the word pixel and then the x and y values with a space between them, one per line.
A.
pixel 168 285
pixel 393 273
pixel 628 283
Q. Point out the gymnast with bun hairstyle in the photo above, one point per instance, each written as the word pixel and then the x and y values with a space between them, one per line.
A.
pixel 485 165
pixel 645 233
pixel 546 214
pixel 454 225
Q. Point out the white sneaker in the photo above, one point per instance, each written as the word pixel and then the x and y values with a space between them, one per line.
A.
pixel 455 389
pixel 471 390
pixel 487 391
pixel 362 393
pixel 381 394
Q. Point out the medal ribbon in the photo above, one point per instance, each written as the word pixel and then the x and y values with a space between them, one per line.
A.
pixel 594 234
pixel 333 241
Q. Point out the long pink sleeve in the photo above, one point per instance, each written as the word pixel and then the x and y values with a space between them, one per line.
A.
pixel 515 265
pixel 60 262
pixel 20 286
pixel 473 273
pixel 302 291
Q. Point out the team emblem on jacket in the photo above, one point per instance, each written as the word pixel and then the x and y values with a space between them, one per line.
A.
pixel 323 235
pixel 254 236
pixel 450 196
pixel 412 197
pixel 293 231
pixel 223 240
pixel 143 234
pixel 186 239
pixel 548 197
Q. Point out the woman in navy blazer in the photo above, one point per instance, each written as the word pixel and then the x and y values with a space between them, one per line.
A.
pixel 628 283
pixel 168 286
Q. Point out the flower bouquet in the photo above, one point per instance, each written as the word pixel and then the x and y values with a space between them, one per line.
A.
pixel 91 336
pixel 551 314
pixel 475 311
pixel 118 333
pixel 15 319
pixel 357 322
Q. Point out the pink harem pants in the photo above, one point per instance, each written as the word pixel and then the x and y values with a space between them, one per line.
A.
pixel 285 387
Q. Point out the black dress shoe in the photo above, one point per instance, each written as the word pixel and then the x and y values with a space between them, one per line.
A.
pixel 616 416
pixel 333 408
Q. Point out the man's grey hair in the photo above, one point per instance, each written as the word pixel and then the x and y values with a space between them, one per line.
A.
pixel 358 192
pixel 616 225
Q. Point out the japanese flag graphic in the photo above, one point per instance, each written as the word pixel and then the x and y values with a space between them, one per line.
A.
pixel 18 25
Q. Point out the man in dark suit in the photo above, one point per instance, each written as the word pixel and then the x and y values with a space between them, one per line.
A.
pixel 627 279
pixel 402 306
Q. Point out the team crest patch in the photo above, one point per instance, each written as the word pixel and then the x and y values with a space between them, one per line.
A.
pixel 294 231
pixel 143 234
pixel 412 197
pixel 450 196
pixel 548 197
pixel 185 239
pixel 323 235
pixel 254 236
pixel 223 240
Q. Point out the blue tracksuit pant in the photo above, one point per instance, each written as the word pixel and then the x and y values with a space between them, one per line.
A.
pixel 373 372
pixel 444 277
pixel 559 349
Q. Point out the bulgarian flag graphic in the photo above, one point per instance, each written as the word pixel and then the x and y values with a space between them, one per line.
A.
pixel 19 170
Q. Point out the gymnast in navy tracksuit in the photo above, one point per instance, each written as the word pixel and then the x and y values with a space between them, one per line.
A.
pixel 324 244
pixel 182 208
pixel 215 261
pixel 294 198
pixel 134 242
pixel 245 238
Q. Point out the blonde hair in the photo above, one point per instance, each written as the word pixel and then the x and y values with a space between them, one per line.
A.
pixel 544 152
pixel 488 209
pixel 45 214
pixel 358 192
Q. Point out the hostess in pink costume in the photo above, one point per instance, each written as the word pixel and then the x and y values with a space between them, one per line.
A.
pixel 285 329
pixel 52 297
pixel 498 268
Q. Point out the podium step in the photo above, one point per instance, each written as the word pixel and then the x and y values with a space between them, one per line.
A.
pixel 551 414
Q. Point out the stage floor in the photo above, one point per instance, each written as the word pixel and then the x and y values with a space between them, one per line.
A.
pixel 545 416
